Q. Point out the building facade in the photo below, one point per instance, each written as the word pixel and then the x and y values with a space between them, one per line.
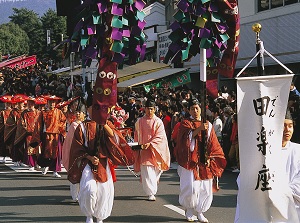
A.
pixel 280 20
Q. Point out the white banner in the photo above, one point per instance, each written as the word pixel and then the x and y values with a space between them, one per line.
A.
pixel 263 194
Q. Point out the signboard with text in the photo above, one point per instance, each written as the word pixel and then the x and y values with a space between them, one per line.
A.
pixel 171 82
pixel 163 43
pixel 22 63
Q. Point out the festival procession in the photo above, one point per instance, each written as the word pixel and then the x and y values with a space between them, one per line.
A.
pixel 116 116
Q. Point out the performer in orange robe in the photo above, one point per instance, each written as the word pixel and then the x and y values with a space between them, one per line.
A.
pixel 11 127
pixel 25 128
pixel 4 151
pixel 71 109
pixel 197 165
pixel 50 126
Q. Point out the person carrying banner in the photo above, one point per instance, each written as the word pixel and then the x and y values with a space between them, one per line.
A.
pixel 154 156
pixel 49 128
pixel 199 165
pixel 92 148
pixel 290 156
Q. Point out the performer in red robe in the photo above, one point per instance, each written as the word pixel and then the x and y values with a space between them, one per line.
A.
pixel 4 151
pixel 89 166
pixel 198 166
pixel 50 127
pixel 25 128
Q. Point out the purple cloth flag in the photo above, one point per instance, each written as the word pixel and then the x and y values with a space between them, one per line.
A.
pixel 117 9
pixel 183 5
pixel 200 10
pixel 118 57
pixel 116 34
pixel 218 43
pixel 91 52
pixel 141 24
pixel 213 7
pixel 175 25
pixel 126 32
pixel 143 52
pixel 138 48
pixel 102 7
pixel 139 4
pixel 209 53
pixel 222 27
pixel 91 29
pixel 204 33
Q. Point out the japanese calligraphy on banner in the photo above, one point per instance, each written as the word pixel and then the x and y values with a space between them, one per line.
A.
pixel 263 194
pixel 22 63
pixel 171 82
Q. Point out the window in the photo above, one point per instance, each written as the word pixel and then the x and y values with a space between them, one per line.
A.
pixel 288 2
pixel 276 3
pixel 263 5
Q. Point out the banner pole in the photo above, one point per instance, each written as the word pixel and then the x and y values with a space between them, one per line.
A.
pixel 257 28
pixel 203 103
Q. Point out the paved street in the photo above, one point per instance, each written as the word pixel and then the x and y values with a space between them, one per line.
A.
pixel 30 197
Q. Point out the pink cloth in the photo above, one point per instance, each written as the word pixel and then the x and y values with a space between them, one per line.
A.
pixel 151 130
pixel 67 145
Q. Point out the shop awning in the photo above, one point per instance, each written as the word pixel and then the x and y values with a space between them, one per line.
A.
pixel 139 69
pixel 152 76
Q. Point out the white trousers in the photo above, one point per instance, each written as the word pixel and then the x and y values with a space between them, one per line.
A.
pixel 74 190
pixel 194 194
pixel 95 198
pixel 150 177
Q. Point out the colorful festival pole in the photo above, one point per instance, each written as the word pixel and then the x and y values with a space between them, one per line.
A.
pixel 211 25
pixel 113 34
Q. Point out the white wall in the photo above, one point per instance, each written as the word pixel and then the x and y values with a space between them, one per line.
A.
pixel 155 14
pixel 280 34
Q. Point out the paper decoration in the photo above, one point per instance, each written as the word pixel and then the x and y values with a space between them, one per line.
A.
pixel 102 7
pixel 116 34
pixel 116 22
pixel 213 25
pixel 139 5
pixel 84 40
pixel 91 29
pixel 117 46
pixel 109 21
pixel 96 19
pixel 117 9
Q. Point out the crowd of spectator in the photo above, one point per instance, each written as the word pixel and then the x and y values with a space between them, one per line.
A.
pixel 39 80
pixel 172 108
